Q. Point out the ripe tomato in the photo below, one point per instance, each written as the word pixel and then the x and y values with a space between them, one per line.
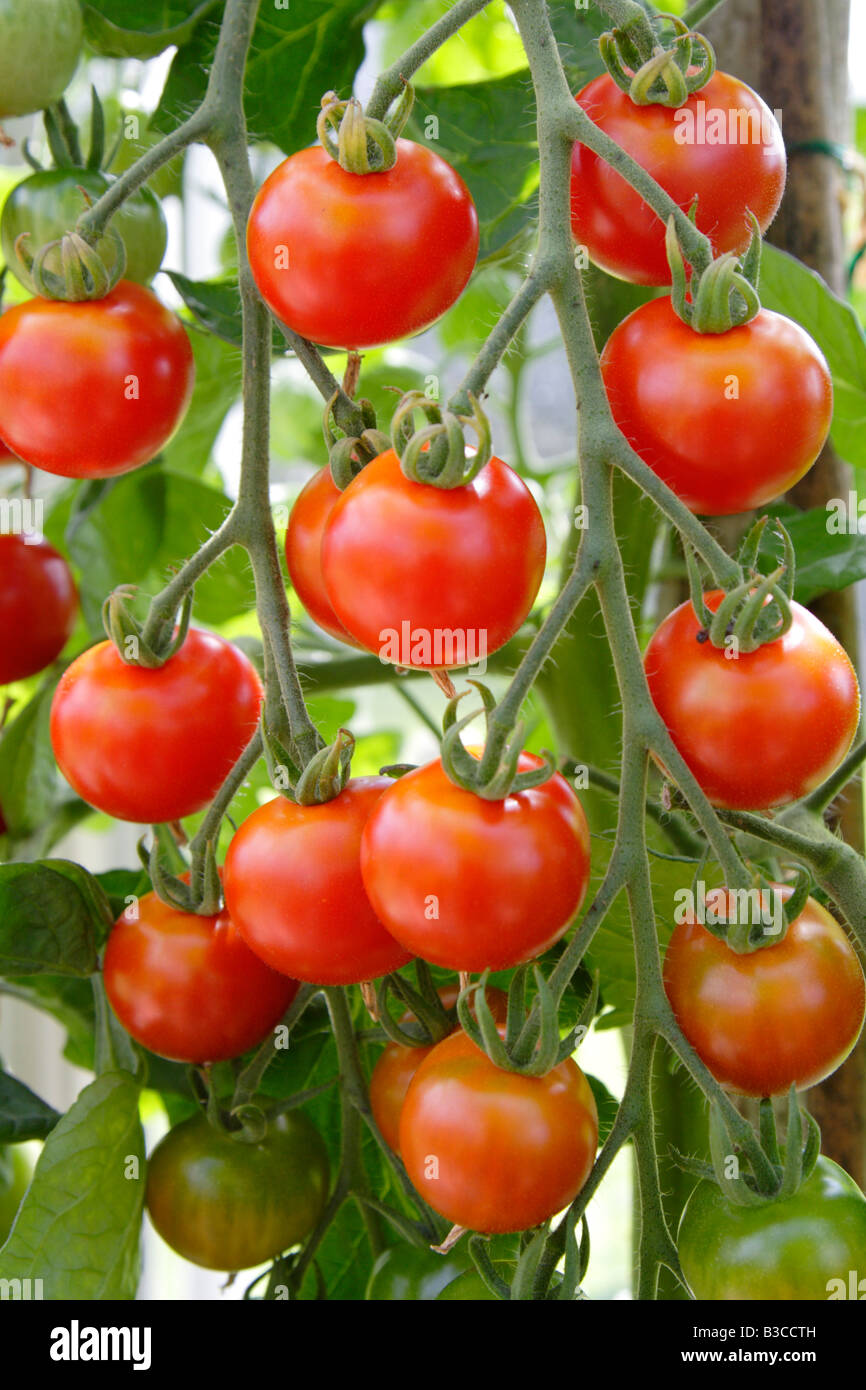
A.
pixel 723 147
pixel 187 986
pixel 93 389
pixel 38 607
pixel 455 573
pixel 783 1015
pixel 355 260
pixel 49 202
pixel 154 745
pixel 293 887
pixel 492 1150
pixel 397 1065
pixel 764 728
pixel 406 1273
pixel 225 1204
pixel 728 420
pixel 473 884
pixel 805 1247
pixel 310 515
pixel 40 41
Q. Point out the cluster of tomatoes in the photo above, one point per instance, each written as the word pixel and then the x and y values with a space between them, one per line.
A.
pixel 348 890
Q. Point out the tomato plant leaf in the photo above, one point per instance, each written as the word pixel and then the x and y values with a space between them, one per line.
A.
pixel 791 288
pixel 217 387
pixel 132 29
pixel 78 1227
pixel 577 33
pixel 215 303
pixel 297 53
pixel 116 540
pixel 829 558
pixel 52 915
pixel 606 1104
pixel 29 782
pixel 23 1115
pixel 193 511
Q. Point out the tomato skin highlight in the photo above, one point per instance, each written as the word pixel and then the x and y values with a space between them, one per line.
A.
pixel 397 1064
pixel 398 246
pixel 466 561
pixel 93 389
pixel 621 232
pixel 492 1150
pixel 787 1014
pixel 225 1204
pixel 293 887
pixel 188 987
pixel 801 1248
pixel 507 876
pixel 729 421
pixel 154 745
pixel 38 607
pixel 764 729
pixel 407 1273
pixel 309 517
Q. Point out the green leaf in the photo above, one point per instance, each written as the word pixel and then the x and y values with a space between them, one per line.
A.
pixel 483 130
pixel 69 999
pixel 132 29
pixel 577 34
pixel 52 917
pixel 192 512
pixel 29 783
pixel 789 287
pixel 119 885
pixel 115 541
pixel 828 557
pixel 217 387
pixel 215 303
pixel 78 1227
pixel 297 53
pixel 22 1114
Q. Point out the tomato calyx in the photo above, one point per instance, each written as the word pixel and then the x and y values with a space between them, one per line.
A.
pixel 724 294
pixel 348 454
pixel 134 647
pixel 652 73
pixel 494 775
pixel 327 772
pixel 436 454
pixel 755 612
pixel 528 1043
pixel 71 269
pixel 433 1021
pixel 360 144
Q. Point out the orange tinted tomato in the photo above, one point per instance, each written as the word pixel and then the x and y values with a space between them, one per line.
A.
pixel 293 887
pixel 492 1150
pixel 154 745
pixel 187 986
pixel 730 177
pixel 765 728
pixel 783 1015
pixel 473 884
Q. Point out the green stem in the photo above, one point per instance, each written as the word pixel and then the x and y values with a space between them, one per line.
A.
pixel 698 12
pixel 533 289
pixel 93 222
pixel 390 83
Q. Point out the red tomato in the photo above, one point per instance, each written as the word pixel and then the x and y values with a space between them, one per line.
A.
pixel 310 515
pixel 397 1065
pixel 431 577
pixel 764 728
pixel 154 745
pixel 783 1015
pixel 187 986
pixel 492 1150
pixel 471 884
pixel 723 147
pixel 355 260
pixel 93 389
pixel 38 606
pixel 728 420
pixel 293 887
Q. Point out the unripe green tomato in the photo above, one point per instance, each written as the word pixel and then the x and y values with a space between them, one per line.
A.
pixel 15 1175
pixel 49 203
pixel 413 1274
pixel 40 41
pixel 467 1288
pixel 225 1204
pixel 789 1250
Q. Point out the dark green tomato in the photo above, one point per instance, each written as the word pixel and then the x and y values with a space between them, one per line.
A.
pixel 412 1274
pixel 789 1250
pixel 225 1204
pixel 467 1288
pixel 15 1175
pixel 49 203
